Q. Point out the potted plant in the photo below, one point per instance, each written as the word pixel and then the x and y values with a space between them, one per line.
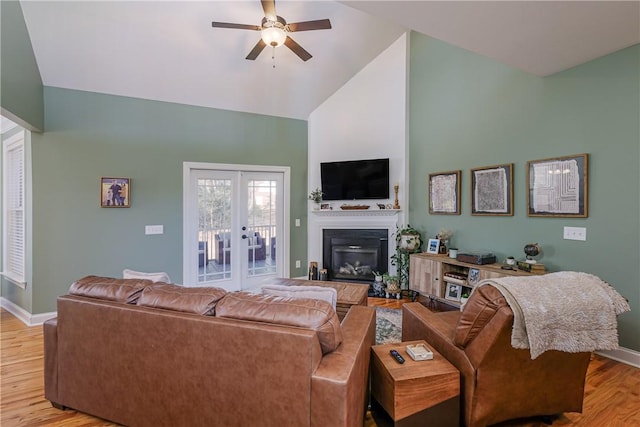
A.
pixel 393 285
pixel 316 196
pixel 463 299
pixel 408 241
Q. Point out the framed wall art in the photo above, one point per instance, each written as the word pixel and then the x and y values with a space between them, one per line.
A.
pixel 492 190
pixel 444 193
pixel 115 192
pixel 557 187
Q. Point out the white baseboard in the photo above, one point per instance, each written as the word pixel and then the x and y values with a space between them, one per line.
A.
pixel 23 315
pixel 624 355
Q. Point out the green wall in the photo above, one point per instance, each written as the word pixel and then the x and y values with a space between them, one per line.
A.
pixel 90 135
pixel 469 111
pixel 21 94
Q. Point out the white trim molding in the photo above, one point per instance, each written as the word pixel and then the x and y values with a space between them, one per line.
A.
pixel 624 355
pixel 24 316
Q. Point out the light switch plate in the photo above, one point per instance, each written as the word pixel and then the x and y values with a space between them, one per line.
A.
pixel 575 233
pixel 153 229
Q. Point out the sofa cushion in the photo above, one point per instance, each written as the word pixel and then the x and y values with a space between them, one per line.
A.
pixel 160 276
pixel 322 293
pixel 484 303
pixel 108 288
pixel 178 298
pixel 305 313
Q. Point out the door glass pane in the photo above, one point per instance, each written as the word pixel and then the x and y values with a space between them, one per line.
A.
pixel 262 238
pixel 214 229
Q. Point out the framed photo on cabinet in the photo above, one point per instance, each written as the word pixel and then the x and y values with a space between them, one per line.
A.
pixel 557 187
pixel 492 190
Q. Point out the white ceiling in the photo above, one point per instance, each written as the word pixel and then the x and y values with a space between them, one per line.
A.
pixel 168 51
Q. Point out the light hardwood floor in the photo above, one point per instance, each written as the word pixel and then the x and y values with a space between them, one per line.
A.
pixel 612 396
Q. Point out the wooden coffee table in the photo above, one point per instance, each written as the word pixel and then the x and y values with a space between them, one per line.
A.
pixel 416 393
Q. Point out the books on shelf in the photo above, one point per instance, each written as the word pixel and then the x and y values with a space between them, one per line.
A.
pixel 456 278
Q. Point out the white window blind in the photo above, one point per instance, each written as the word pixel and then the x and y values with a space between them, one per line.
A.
pixel 13 263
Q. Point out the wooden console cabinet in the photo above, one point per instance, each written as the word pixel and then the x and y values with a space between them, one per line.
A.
pixel 428 275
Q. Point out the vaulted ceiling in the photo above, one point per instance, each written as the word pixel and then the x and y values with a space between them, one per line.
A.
pixel 168 50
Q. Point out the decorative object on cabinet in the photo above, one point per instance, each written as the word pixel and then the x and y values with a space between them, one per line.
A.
pixel 474 276
pixel 444 193
pixel 558 187
pixel 433 245
pixel 453 292
pixel 531 250
pixel 492 190
pixel 115 192
pixel 408 241
pixel 443 235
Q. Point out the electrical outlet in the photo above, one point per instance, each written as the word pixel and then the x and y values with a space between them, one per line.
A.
pixel 297 222
pixel 297 263
pixel 575 233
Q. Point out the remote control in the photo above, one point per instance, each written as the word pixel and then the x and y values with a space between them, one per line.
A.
pixel 397 356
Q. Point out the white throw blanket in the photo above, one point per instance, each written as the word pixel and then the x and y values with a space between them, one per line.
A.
pixel 566 311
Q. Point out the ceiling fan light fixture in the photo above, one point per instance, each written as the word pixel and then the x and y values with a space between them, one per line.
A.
pixel 273 34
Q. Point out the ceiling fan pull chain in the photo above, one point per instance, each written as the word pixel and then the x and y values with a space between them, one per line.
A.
pixel 273 56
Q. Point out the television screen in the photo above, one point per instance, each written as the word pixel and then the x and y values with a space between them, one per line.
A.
pixel 355 180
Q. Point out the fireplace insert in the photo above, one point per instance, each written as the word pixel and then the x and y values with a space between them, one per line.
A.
pixel 354 254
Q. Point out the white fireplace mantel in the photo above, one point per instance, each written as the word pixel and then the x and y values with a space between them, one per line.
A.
pixel 319 220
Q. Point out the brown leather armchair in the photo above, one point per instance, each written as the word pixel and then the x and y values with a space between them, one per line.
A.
pixel 498 382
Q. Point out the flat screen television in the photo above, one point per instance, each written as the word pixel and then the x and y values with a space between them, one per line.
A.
pixel 355 179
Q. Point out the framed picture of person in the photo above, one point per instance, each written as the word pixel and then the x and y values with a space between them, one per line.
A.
pixel 115 192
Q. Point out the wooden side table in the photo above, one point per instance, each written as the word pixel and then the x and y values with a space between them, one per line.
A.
pixel 415 393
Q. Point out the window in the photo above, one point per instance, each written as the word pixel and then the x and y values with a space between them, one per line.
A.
pixel 13 215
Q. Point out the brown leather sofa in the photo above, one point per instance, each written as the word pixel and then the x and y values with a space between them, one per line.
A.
pixel 498 382
pixel 145 354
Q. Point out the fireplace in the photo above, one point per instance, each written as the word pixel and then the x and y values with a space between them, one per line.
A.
pixel 354 254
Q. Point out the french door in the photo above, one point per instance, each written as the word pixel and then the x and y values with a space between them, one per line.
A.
pixel 235 235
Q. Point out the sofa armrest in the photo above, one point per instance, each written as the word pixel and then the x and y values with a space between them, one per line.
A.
pixel 50 333
pixel 339 386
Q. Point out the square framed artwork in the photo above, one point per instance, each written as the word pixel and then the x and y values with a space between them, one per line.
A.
pixel 558 187
pixel 115 192
pixel 492 190
pixel 444 193
pixel 433 245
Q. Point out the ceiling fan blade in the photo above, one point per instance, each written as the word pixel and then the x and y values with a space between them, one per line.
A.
pixel 269 7
pixel 320 24
pixel 236 26
pixel 256 50
pixel 297 49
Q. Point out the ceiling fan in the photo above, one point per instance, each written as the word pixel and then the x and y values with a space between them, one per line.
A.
pixel 274 31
